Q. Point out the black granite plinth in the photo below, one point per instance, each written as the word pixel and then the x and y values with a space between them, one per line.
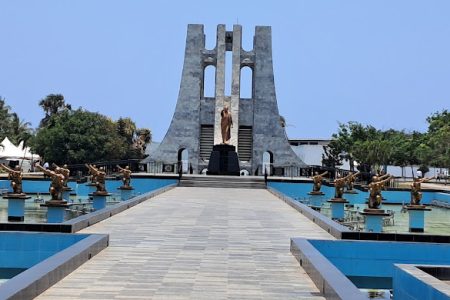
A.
pixel 55 203
pixel 16 196
pixel 417 207
pixel 374 212
pixel 337 200
pixel 316 193
pixel 101 193
pixel 126 187
pixel 223 161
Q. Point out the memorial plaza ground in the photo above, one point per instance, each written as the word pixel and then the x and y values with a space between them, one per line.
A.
pixel 197 243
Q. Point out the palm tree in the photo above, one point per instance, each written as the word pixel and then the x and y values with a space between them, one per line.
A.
pixel 126 128
pixel 52 105
pixel 19 130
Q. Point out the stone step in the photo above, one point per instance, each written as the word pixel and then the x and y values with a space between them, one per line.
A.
pixel 223 182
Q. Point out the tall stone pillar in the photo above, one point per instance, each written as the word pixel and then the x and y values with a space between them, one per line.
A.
pixel 268 134
pixel 184 130
pixel 236 83
pixel 220 81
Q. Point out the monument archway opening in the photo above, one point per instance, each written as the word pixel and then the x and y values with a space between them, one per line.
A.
pixel 183 160
pixel 267 163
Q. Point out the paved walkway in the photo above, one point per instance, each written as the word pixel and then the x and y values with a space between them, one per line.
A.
pixel 197 243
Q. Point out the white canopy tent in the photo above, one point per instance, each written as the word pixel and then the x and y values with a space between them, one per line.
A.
pixel 10 152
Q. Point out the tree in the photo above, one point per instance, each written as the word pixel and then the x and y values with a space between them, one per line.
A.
pixel 438 139
pixel 79 136
pixel 137 139
pixel 52 105
pixel 127 129
pixel 349 143
pixel 11 126
pixel 332 155
pixel 19 130
pixel 4 119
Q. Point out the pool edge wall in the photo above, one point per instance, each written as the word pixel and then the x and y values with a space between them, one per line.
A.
pixel 411 282
pixel 35 280
pixel 331 283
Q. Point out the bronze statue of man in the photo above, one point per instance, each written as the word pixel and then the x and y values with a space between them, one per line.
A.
pixel 339 184
pixel 375 188
pixel 92 175
pixel 226 123
pixel 416 190
pixel 16 178
pixel 317 179
pixel 126 175
pixel 100 177
pixel 64 171
pixel 351 180
pixel 57 184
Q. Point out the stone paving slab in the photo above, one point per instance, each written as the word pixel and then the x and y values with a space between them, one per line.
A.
pixel 197 243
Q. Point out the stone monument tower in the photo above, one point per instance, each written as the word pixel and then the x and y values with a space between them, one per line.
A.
pixel 195 125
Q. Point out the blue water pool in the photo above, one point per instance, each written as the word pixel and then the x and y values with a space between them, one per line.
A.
pixel 300 191
pixel 344 265
pixel 38 190
pixel 20 251
pixel 437 221
pixel 31 262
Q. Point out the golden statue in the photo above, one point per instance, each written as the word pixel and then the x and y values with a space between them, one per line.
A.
pixel 126 176
pixel 351 180
pixel 375 188
pixel 317 179
pixel 16 178
pixel 416 190
pixel 225 124
pixel 100 176
pixel 63 171
pixel 92 175
pixel 339 184
pixel 57 184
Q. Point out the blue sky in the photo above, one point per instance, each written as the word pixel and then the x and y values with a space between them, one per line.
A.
pixel 380 62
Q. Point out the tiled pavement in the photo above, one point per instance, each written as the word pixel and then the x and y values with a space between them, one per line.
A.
pixel 197 243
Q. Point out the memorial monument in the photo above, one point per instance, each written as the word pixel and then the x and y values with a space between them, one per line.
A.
pixel 197 124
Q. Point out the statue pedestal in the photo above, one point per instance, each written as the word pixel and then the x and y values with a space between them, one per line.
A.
pixel 337 208
pixel 16 206
pixel 374 219
pixel 56 210
pixel 223 161
pixel 99 200
pixel 417 217
pixel 316 193
pixel 126 192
